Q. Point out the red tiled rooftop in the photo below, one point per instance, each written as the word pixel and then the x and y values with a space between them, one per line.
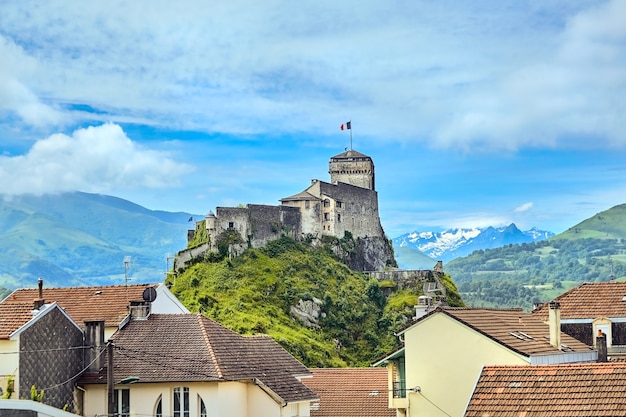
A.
pixel 108 303
pixel 590 300
pixel 568 390
pixel 350 392
pixel 14 316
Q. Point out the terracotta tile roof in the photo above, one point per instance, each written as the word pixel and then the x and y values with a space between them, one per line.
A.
pixel 513 328
pixel 108 303
pixel 569 390
pixel 191 347
pixel 590 301
pixel 350 392
pixel 14 316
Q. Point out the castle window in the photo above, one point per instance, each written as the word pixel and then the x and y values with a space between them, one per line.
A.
pixel 327 203
pixel 307 204
pixel 231 225
pixel 338 204
pixel 326 216
pixel 338 217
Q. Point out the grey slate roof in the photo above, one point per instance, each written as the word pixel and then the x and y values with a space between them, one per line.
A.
pixel 191 347
pixel 350 154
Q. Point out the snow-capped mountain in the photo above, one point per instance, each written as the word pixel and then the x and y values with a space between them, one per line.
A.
pixel 455 243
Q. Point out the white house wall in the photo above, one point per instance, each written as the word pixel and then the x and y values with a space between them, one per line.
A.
pixel 9 363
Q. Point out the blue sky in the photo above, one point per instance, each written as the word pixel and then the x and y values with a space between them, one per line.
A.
pixel 475 113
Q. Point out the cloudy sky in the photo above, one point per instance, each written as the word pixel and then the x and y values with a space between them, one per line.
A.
pixel 475 113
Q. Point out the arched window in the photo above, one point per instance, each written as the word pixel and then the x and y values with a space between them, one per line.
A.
pixel 158 408
pixel 201 407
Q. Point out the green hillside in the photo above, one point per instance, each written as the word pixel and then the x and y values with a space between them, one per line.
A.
pixel 256 293
pixel 82 239
pixel 518 275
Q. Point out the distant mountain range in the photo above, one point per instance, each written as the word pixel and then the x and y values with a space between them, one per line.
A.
pixel 455 243
pixel 83 239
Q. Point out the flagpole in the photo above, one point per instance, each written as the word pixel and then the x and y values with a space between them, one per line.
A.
pixel 350 134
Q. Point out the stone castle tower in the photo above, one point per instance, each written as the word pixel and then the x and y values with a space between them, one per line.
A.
pixel 347 205
pixel 352 167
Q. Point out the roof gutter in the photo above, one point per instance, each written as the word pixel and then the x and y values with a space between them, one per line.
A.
pixel 267 390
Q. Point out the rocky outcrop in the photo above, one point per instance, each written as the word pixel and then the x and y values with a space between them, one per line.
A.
pixel 308 312
pixel 365 254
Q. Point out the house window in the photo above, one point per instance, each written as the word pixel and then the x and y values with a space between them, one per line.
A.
pixel 202 407
pixel 122 403
pixel 181 402
pixel 158 410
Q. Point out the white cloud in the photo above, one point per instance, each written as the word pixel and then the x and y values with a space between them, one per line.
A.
pixel 94 159
pixel 467 75
pixel 15 97
pixel 575 92
pixel 524 207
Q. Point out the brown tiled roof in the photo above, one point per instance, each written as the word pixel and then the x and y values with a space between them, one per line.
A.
pixel 108 303
pixel 14 316
pixel 350 392
pixel 191 347
pixel 568 390
pixel 590 301
pixel 513 328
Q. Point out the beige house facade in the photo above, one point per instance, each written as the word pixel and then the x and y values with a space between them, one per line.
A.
pixel 186 365
pixel 434 373
pixel 200 399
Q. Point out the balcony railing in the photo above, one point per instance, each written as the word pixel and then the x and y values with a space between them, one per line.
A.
pixel 399 389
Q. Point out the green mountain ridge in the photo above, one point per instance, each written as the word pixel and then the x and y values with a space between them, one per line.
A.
pixel 520 275
pixel 82 239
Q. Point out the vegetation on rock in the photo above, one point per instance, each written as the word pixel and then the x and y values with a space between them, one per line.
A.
pixel 258 291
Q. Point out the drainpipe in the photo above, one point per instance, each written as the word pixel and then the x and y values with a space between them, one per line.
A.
pixel 554 321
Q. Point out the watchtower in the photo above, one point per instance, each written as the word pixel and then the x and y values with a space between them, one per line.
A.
pixel 352 167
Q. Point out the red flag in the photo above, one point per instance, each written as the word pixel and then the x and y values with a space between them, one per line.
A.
pixel 347 125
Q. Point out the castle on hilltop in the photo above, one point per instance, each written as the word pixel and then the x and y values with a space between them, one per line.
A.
pixel 347 205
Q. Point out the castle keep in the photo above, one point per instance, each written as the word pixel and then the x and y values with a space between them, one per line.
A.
pixel 348 203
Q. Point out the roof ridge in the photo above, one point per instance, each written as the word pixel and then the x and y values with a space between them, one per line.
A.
pixel 201 321
pixel 81 287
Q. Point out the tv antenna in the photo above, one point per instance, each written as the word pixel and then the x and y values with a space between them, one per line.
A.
pixel 126 268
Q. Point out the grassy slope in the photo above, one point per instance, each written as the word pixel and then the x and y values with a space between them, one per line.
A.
pixel 254 294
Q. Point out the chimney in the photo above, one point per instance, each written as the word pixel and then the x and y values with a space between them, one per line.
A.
pixel 554 321
pixel 94 343
pixel 39 302
pixel 601 346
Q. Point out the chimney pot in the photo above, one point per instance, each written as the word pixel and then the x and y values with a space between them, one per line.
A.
pixel 39 302
pixel 601 347
pixel 554 322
